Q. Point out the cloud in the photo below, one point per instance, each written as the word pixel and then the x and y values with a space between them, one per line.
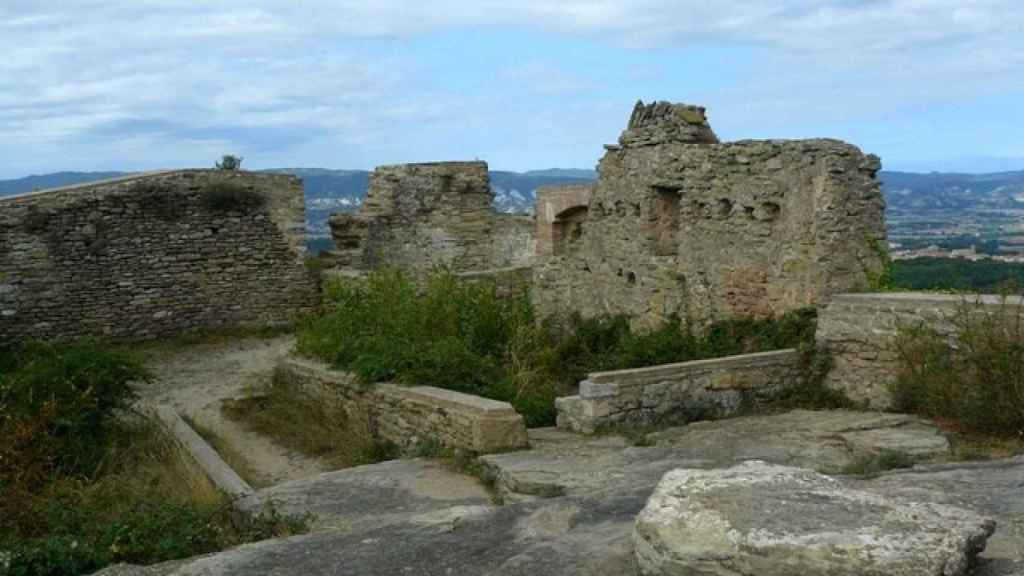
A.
pixel 232 74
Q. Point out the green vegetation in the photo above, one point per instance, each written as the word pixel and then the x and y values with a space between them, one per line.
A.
pixel 84 483
pixel 231 197
pixel 463 336
pixel 315 427
pixel 882 279
pixel 971 379
pixel 229 162
pixel 985 276
pixel 871 465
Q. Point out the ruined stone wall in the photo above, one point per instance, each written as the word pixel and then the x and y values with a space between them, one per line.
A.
pixel 858 333
pixel 678 393
pixel 681 224
pixel 153 255
pixel 417 216
pixel 409 415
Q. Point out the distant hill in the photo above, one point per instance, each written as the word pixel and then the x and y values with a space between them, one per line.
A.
pixel 907 191
pixel 43 181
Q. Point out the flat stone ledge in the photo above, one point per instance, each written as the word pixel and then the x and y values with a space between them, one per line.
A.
pixel 918 298
pixel 219 472
pixel 674 393
pixel 406 414
pixel 640 376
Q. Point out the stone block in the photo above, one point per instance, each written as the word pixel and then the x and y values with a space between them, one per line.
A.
pixel 764 519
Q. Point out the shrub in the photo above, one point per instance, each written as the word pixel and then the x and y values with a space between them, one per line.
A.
pixel 59 406
pixel 972 377
pixel 147 501
pixel 229 162
pixel 463 336
pixel 231 197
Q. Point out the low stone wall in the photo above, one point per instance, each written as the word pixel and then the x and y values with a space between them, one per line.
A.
pixel 676 393
pixel 858 332
pixel 406 415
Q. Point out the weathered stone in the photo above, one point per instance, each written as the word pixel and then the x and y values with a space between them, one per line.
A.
pixel 564 463
pixel 153 255
pixel 418 216
pixel 677 393
pixel 407 415
pixel 368 497
pixel 679 224
pixel 858 331
pixel 763 519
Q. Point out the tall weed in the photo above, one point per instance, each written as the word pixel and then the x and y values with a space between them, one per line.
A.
pixel 971 377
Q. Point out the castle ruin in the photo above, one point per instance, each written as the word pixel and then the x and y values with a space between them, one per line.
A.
pixel 418 216
pixel 679 224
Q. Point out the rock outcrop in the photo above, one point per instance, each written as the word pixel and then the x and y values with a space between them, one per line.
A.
pixel 765 520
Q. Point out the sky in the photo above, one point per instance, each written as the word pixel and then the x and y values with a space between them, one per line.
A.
pixel 525 84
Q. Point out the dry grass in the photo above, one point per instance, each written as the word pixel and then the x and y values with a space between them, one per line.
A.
pixel 231 455
pixel 972 447
pixel 148 463
pixel 317 427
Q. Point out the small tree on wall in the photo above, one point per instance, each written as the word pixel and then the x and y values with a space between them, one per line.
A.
pixel 229 162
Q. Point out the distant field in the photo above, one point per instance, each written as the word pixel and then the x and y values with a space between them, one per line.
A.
pixel 955 274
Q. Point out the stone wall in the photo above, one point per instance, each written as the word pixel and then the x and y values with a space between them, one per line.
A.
pixel 417 216
pixel 679 224
pixel 153 255
pixel 678 393
pixel 407 415
pixel 858 332
pixel 560 212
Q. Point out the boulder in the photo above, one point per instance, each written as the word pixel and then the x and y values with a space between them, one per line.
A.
pixel 763 519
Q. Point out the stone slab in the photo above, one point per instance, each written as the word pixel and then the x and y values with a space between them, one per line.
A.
pixel 768 520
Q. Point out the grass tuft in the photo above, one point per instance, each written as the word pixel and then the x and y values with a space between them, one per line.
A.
pixel 316 427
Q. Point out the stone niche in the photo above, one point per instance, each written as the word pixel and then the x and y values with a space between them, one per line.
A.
pixel 681 224
pixel 417 216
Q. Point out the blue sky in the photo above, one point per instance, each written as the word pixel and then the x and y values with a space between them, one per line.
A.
pixel 145 84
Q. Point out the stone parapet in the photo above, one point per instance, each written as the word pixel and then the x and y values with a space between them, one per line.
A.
pixel 409 415
pixel 677 393
pixel 858 331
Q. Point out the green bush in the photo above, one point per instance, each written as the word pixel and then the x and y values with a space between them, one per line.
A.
pixel 84 482
pixel 59 405
pixel 463 336
pixel 973 377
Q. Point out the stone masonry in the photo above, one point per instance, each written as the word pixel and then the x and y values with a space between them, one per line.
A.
pixel 680 224
pixel 858 331
pixel 678 393
pixel 409 415
pixel 417 216
pixel 153 255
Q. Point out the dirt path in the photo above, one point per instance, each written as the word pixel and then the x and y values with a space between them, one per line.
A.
pixel 195 380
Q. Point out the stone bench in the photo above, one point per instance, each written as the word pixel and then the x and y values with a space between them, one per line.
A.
pixel 676 393
pixel 408 415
